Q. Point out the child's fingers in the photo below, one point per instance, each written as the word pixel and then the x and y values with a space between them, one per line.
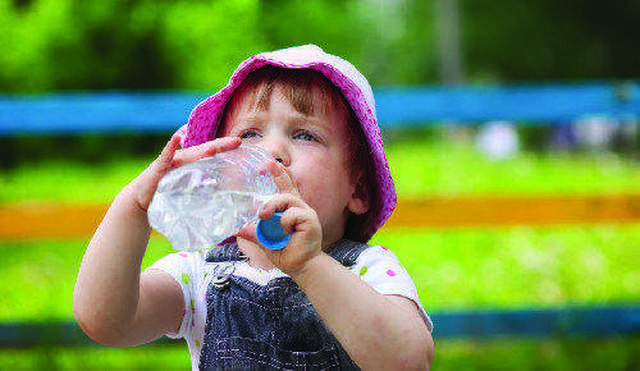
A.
pixel 296 219
pixel 163 163
pixel 282 177
pixel 282 201
pixel 170 149
pixel 207 149
pixel 146 183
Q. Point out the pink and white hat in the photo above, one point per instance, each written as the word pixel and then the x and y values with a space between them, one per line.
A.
pixel 206 117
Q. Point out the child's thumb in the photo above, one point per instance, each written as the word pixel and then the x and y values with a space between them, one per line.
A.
pixel 147 182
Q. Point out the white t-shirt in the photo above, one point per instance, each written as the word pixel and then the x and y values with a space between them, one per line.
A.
pixel 376 265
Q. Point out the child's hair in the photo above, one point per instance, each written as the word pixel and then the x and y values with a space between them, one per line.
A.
pixel 297 87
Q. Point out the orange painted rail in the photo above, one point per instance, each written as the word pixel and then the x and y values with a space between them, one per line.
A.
pixel 524 210
pixel 43 220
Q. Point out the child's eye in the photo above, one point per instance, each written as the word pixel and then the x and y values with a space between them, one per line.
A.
pixel 249 133
pixel 304 135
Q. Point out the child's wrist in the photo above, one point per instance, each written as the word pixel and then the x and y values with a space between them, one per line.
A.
pixel 310 268
pixel 128 201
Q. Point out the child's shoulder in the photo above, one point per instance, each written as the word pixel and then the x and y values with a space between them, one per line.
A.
pixel 375 249
pixel 376 254
pixel 363 256
pixel 185 267
pixel 376 260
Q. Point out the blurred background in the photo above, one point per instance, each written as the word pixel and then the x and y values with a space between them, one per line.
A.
pixel 511 129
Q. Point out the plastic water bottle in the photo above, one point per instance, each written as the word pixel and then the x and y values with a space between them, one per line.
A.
pixel 201 204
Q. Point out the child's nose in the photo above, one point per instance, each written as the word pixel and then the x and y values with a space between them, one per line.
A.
pixel 281 158
pixel 278 150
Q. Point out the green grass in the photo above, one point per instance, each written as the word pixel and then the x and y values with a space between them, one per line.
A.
pixel 68 182
pixel 438 168
pixel 548 354
pixel 37 278
pixel 419 168
pixel 500 268
pixel 97 358
pixel 511 354
pixel 520 266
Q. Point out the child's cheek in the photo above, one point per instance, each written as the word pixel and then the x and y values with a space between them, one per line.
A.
pixel 319 195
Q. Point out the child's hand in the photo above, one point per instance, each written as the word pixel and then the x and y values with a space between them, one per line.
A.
pixel 297 218
pixel 145 185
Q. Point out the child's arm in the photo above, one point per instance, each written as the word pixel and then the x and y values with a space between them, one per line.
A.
pixel 113 302
pixel 378 331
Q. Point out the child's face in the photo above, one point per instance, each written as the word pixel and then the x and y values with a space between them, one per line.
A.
pixel 313 148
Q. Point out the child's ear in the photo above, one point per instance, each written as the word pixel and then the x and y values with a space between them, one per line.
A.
pixel 359 202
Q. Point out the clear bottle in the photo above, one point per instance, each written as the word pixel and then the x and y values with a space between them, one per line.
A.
pixel 201 204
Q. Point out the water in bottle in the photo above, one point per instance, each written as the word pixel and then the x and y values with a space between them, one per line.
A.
pixel 199 205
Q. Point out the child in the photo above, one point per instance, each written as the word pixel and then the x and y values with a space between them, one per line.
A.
pixel 327 300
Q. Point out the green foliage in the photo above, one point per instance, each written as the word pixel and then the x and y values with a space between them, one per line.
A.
pixel 65 44
pixel 390 42
pixel 206 40
pixel 123 44
pixel 147 44
pixel 87 149
pixel 546 39
pixel 29 37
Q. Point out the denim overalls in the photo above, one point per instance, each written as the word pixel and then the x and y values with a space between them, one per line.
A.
pixel 250 326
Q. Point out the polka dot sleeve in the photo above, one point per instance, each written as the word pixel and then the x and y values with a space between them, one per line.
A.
pixel 184 268
pixel 381 269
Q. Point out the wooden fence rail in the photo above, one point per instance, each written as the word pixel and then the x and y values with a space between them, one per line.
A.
pixel 44 220
pixel 603 322
pixel 165 111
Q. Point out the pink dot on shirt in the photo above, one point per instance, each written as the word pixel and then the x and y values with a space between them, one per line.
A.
pixel 184 255
pixel 384 248
pixel 391 273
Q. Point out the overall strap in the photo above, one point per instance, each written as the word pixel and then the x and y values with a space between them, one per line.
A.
pixel 346 251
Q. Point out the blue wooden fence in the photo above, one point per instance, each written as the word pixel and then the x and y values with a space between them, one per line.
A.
pixel 100 112
pixel 577 322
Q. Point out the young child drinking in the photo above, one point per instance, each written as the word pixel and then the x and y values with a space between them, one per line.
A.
pixel 327 300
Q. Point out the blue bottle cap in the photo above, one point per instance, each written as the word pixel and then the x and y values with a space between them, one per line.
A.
pixel 270 233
